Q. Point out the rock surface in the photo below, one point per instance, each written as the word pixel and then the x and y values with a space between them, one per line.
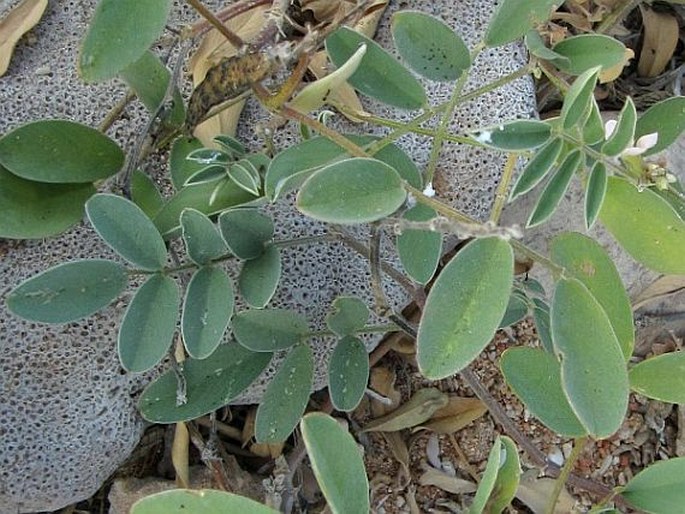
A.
pixel 67 410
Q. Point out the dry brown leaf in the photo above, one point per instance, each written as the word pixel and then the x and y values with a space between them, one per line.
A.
pixel 661 33
pixel 399 450
pixel 454 416
pixel 612 73
pixel 382 380
pixel 418 409
pixel 446 482
pixel 535 493
pixel 249 426
pixel 661 288
pixel 179 455
pixel 18 22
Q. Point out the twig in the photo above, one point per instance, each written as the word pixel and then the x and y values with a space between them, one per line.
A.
pixel 232 37
pixel 380 301
pixel 116 111
pixel 229 12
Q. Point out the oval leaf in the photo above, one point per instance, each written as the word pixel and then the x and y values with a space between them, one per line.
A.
pixel 594 193
pixel 645 225
pixel 209 385
pixel 33 210
pixel 578 100
pixel 60 152
pixel 259 278
pixel 355 190
pixel 119 34
pixel 658 488
pixel 337 463
pixel 348 373
pixel 246 231
pixel 349 315
pixel 206 501
pixel 149 324
pixel 68 292
pixel 587 51
pixel 420 250
pixel 514 18
pixel 515 135
pixel 624 131
pixel 661 377
pixel 666 118
pixel 286 396
pixel 202 240
pixel 537 168
pixel 464 307
pixel 269 330
pixel 587 261
pixel 127 230
pixel 429 46
pixel 207 309
pixel 379 75
pixel 145 194
pixel 593 368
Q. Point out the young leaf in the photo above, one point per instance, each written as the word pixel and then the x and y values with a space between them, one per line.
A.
pixel 149 324
pixel 661 377
pixel 535 376
pixel 202 240
pixel 269 330
pixel 419 250
pixel 666 118
pixel 587 51
pixel 593 368
pixel 515 135
pixel 355 190
pixel 464 307
pixel 645 225
pixel 207 309
pixel 245 175
pixel 337 463
pixel 578 100
pixel 207 501
pixel 349 314
pixel 286 396
pixel 208 174
pixel 145 194
pixel 429 46
pixel 259 278
pixel 593 130
pixel 587 261
pixel 513 18
pixel 180 167
pixel 536 46
pixel 379 75
pixel 33 210
pixel 555 189
pixel 517 308
pixel 68 292
pixel 231 146
pixel 487 481
pixel 622 136
pixel 508 477
pixel 59 152
pixel 658 488
pixel 119 34
pixel 246 232
pixel 348 373
pixel 542 324
pixel 537 167
pixel 594 193
pixel 127 230
pixel 209 385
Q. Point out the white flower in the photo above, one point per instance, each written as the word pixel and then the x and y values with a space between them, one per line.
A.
pixel 429 191
pixel 639 147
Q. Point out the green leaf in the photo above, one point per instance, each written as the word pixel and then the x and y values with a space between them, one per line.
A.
pixel 464 307
pixel 487 481
pixel 119 34
pixel 207 310
pixel 645 225
pixel 34 210
pixel 555 189
pixel 658 488
pixel 661 377
pixel 202 240
pixel 126 228
pixel 59 152
pixel 286 396
pixel 259 278
pixel 209 385
pixel 145 194
pixel 535 376
pixel 587 261
pixel 593 130
pixel 245 175
pixel 348 373
pixel 537 168
pixel 68 292
pixel 355 190
pixel 337 463
pixel 246 232
pixel 207 174
pixel 515 135
pixel 149 324
pixel 578 101
pixel 429 46
pixel 180 167
pixel 593 369
pixel 349 315
pixel 420 250
pixel 594 193
pixel 666 118
pixel 542 324
pixel 587 51
pixel 517 309
pixel 536 46
pixel 149 79
pixel 195 501
pixel 379 75
pixel 269 330
pixel 514 18
pixel 508 476
pixel 231 146
pixel 622 136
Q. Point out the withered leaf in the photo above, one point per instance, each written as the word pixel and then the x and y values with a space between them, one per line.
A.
pixel 454 416
pixel 535 493
pixel 418 409
pixel 659 42
pixel 660 289
pixel 446 482
pixel 18 22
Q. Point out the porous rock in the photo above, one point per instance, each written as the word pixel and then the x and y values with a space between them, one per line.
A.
pixel 67 411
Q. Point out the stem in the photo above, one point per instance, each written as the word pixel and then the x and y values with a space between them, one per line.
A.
pixel 367 329
pixel 232 38
pixel 503 187
pixel 564 474
pixel 496 84
pixel 616 15
pixel 229 12
pixel 380 301
pixel 116 111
